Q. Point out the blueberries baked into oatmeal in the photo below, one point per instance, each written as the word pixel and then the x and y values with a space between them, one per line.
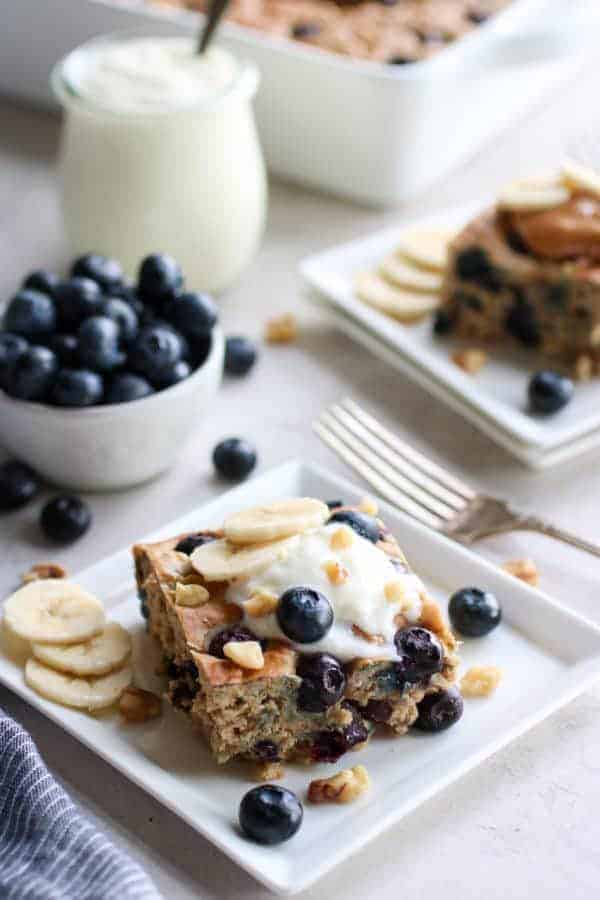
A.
pixel 292 632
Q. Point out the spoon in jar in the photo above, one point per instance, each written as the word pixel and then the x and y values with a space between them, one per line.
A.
pixel 215 12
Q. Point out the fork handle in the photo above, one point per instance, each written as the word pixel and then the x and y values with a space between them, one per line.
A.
pixel 531 523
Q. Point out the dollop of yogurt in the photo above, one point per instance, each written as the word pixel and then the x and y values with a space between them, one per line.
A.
pixel 149 75
pixel 360 600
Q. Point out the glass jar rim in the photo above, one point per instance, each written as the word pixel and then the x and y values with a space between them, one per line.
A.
pixel 244 84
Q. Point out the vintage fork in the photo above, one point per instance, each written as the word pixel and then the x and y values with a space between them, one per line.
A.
pixel 420 487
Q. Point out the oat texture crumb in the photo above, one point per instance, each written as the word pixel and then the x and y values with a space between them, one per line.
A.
pixel 42 571
pixel 136 705
pixel 480 681
pixel 345 787
pixel 281 330
pixel 525 569
pixel 268 771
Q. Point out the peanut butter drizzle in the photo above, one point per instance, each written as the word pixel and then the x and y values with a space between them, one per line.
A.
pixel 568 231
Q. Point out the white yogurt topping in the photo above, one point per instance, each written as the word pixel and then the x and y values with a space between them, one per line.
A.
pixel 360 600
pixel 146 75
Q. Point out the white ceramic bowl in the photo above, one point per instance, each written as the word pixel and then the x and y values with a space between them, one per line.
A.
pixel 111 447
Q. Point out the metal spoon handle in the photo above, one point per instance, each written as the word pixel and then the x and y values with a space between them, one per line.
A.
pixel 213 17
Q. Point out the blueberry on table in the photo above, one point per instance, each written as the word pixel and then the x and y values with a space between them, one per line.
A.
pixel 76 300
pixel 439 711
pixel 99 347
pixel 159 278
pixel 124 315
pixel 188 544
pixel 32 375
pixel 104 271
pixel 43 281
pixel 12 346
pixel 240 355
pixel 323 681
pixel 65 518
pixel 237 634
pixel 474 612
pixel 234 458
pixel 18 485
pixel 420 651
pixel 30 313
pixel 126 386
pixel 66 348
pixel 270 814
pixel 304 614
pixel 179 371
pixel 549 392
pixel 195 315
pixel 77 388
pixel 156 349
pixel 364 525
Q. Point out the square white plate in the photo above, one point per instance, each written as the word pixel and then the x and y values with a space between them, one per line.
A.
pixel 548 654
pixel 499 391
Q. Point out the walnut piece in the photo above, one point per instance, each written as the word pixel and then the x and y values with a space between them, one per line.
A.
pixel 335 571
pixel 43 571
pixel 470 360
pixel 281 330
pixel 136 705
pixel 480 681
pixel 341 539
pixel 583 368
pixel 247 654
pixel 190 594
pixel 345 787
pixel 525 569
pixel 260 604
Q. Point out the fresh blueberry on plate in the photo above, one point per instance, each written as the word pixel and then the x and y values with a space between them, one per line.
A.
pixel 76 299
pixel 12 346
pixel 323 681
pixel 156 348
pixel 188 544
pixel 66 347
pixel 104 271
pixel 18 485
pixel 65 518
pixel 364 525
pixel 240 355
pixel 30 313
pixel 32 375
pixel 193 314
pixel 123 313
pixel 77 388
pixel 270 814
pixel 549 392
pixel 179 371
pixel 474 612
pixel 420 651
pixel 124 387
pixel 236 633
pixel 43 281
pixel 234 458
pixel 439 711
pixel 159 278
pixel 99 344
pixel 199 350
pixel 304 614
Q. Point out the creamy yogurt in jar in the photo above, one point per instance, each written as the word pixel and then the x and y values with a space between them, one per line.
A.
pixel 160 154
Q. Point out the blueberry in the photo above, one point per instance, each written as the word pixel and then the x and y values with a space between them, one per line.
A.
pixel 521 323
pixel 474 612
pixel 76 300
pixel 549 392
pixel 364 525
pixel 378 711
pixel 66 347
pixel 65 519
pixel 439 711
pixel 473 264
pixel 235 633
pixel 303 30
pixel 43 281
pixel 18 485
pixel 357 731
pixel 240 355
pixel 77 387
pixel 159 278
pixel 104 271
pixel 199 351
pixel 193 314
pixel 188 544
pixel 123 313
pixel 30 313
pixel 156 349
pixel 420 651
pixel 179 371
pixel 99 344
pixel 398 60
pixel 12 346
pixel 443 323
pixel 304 614
pixel 477 17
pixel 234 458
pixel 31 376
pixel 328 746
pixel 334 504
pixel 270 814
pixel 323 682
pixel 126 386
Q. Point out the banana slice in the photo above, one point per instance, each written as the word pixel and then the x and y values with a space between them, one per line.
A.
pixel 98 656
pixel 82 693
pixel 54 612
pixel 13 646
pixel 405 274
pixel 580 178
pixel 406 306
pixel 222 561
pixel 533 194
pixel 277 520
pixel 427 247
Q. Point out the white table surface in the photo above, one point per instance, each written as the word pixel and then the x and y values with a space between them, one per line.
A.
pixel 527 822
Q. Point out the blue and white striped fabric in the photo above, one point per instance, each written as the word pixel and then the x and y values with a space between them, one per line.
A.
pixel 48 850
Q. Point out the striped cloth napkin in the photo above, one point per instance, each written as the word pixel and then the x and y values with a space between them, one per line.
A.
pixel 48 850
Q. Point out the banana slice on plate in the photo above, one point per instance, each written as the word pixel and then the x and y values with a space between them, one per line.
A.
pixel 533 194
pixel 404 274
pixel 222 561
pixel 13 646
pixel 277 520
pixel 81 693
pixel 580 178
pixel 406 306
pixel 103 653
pixel 426 247
pixel 54 612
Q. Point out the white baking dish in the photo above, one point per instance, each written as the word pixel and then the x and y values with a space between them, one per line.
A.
pixel 360 129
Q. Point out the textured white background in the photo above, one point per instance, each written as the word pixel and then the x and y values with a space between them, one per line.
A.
pixel 526 823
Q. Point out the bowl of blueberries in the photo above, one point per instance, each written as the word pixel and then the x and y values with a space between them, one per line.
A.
pixel 102 380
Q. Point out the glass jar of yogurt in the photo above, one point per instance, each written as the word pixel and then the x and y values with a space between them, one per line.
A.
pixel 160 153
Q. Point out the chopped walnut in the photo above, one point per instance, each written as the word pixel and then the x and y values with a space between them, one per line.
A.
pixel 43 571
pixel 368 506
pixel 260 604
pixel 336 572
pixel 480 681
pixel 394 592
pixel 470 360
pixel 595 336
pixel 247 654
pixel 341 539
pixel 525 569
pixel 268 771
pixel 136 705
pixel 345 787
pixel 190 594
pixel 282 330
pixel 371 638
pixel 584 368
